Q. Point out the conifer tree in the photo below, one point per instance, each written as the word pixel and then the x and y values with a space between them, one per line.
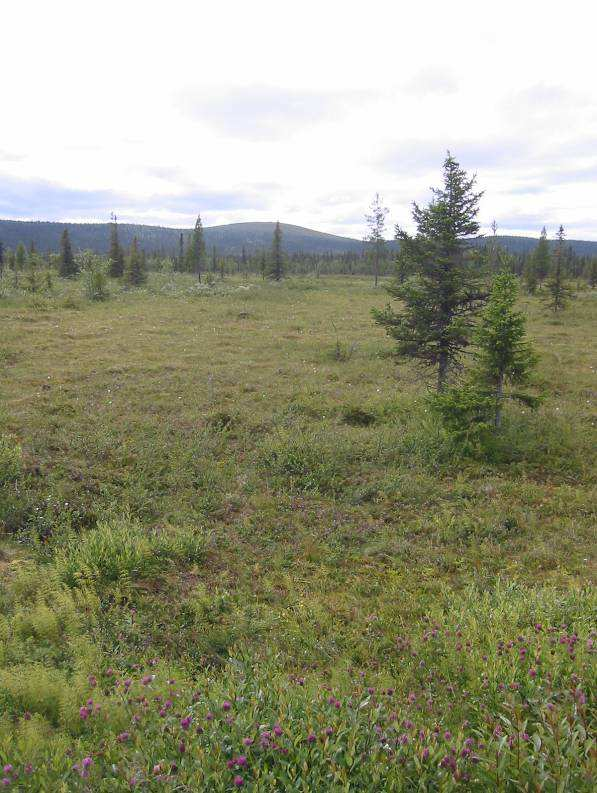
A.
pixel 530 275
pixel 503 355
pixel 541 258
pixel 402 268
pixel 1 258
pixel 376 221
pixel 275 266
pixel 180 260
pixel 214 260
pixel 446 292
pixel 592 273
pixel 196 250
pixel 558 292
pixel 67 266
pixel 134 273
pixel 263 264
pixel 243 260
pixel 116 256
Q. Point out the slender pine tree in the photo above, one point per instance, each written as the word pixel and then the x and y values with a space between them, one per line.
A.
pixel 376 222
pixel 196 250
pixel 275 266
pixel 445 294
pixel 542 258
pixel 115 256
pixel 67 265
pixel 558 292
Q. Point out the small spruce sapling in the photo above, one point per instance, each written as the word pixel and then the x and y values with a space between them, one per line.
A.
pixel 503 356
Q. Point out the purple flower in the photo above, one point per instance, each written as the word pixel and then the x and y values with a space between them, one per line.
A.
pixel 226 706
pixel 311 738
pixel 238 781
pixel 247 741
pixel 241 761
pixel 86 762
pixel 182 747
pixel 209 716
pixel 83 712
pixel 425 753
pixel 533 672
pixel 8 768
pixel 185 723
pixel 277 730
pixel 123 737
pixel 5 781
pixel 147 679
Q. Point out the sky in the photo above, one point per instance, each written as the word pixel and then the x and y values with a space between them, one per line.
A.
pixel 297 111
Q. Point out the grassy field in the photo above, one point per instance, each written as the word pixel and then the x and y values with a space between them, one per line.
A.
pixel 238 485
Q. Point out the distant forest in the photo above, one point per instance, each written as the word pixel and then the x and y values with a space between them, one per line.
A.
pixel 229 240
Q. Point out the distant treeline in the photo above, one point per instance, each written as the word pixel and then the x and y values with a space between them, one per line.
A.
pixel 229 240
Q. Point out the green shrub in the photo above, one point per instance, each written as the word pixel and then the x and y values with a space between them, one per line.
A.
pixel 307 462
pixel 95 280
pixel 11 461
pixel 120 551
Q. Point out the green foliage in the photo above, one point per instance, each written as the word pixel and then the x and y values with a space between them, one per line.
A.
pixel 196 250
pixel 541 259
pixel 115 254
pixel 120 551
pixel 134 271
pixel 376 220
pixel 305 462
pixel 96 280
pixel 442 298
pixel 274 265
pixel 558 292
pixel 503 355
pixel 67 265
pixel 11 461
pixel 467 415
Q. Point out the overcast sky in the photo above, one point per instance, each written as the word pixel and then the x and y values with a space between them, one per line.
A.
pixel 297 111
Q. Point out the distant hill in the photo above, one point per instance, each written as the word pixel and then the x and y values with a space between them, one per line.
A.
pixel 229 239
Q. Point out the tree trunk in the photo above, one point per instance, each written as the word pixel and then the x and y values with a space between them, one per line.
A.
pixel 442 371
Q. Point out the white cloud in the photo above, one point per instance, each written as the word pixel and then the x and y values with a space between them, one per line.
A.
pixel 301 112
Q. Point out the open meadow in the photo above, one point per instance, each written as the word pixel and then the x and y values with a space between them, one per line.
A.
pixel 236 550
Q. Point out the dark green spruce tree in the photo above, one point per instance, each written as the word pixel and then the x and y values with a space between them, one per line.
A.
pixel 67 266
pixel 558 292
pixel 134 272
pixel 115 256
pixel 542 258
pixel 275 265
pixel 196 250
pixel 440 302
